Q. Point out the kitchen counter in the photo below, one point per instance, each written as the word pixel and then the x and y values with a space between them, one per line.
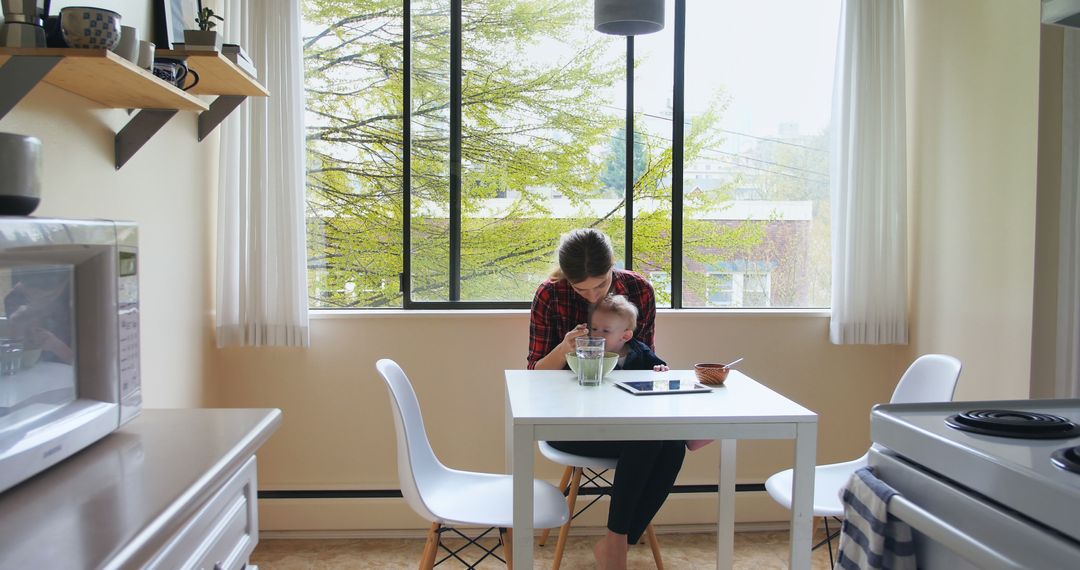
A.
pixel 168 489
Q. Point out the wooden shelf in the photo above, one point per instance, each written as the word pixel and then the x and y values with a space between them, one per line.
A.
pixel 108 79
pixel 217 74
pixel 114 82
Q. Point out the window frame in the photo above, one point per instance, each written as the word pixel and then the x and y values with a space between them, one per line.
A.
pixel 677 140
pixel 675 278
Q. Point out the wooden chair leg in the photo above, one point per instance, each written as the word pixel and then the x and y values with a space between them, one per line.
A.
pixel 431 547
pixel 562 487
pixel 650 532
pixel 507 537
pixel 564 531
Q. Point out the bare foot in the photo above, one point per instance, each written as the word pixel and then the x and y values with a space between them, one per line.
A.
pixel 599 551
pixel 610 552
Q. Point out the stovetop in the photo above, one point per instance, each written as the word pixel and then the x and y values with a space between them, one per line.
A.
pixel 1016 472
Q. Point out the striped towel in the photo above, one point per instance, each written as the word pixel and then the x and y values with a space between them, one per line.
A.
pixel 870 536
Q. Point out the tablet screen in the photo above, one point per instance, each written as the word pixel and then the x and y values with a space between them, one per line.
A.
pixel 662 386
pixel 656 385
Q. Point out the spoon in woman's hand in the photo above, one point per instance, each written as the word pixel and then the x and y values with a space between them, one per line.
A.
pixel 733 362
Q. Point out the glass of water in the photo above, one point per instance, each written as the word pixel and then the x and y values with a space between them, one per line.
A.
pixel 590 353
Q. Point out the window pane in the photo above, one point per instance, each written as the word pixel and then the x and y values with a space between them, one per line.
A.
pixel 756 161
pixel 352 60
pixel 538 116
pixel 720 289
pixel 430 152
pixel 654 75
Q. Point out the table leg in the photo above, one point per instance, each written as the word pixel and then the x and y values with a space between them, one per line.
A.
pixel 523 496
pixel 725 527
pixel 508 437
pixel 802 500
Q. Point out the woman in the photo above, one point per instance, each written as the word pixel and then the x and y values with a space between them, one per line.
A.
pixel 561 308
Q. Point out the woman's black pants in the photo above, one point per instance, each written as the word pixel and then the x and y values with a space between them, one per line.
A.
pixel 644 476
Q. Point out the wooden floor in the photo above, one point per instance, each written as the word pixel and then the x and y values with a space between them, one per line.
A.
pixel 753 550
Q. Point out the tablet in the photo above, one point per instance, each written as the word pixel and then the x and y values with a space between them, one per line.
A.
pixel 654 387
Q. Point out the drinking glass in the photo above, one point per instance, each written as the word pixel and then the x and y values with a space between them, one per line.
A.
pixel 590 353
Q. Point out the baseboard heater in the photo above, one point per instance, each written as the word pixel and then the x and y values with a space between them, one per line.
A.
pixel 396 493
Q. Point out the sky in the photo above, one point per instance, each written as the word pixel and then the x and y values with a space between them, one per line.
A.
pixel 775 58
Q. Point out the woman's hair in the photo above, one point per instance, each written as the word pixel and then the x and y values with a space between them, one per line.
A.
pixel 621 306
pixel 584 253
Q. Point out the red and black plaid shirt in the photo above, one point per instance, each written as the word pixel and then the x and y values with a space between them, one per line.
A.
pixel 557 308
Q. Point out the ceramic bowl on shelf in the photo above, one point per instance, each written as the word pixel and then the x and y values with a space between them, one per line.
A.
pixel 87 27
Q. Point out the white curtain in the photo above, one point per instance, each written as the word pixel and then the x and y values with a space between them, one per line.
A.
pixel 868 177
pixel 1067 369
pixel 261 275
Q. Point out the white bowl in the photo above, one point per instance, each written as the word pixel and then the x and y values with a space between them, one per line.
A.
pixel 610 359
pixel 86 27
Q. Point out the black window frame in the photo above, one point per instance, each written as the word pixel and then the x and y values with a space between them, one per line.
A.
pixel 677 140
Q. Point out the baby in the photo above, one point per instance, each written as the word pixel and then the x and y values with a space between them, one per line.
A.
pixel 615 319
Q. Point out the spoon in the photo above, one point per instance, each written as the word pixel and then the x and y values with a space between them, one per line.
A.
pixel 733 362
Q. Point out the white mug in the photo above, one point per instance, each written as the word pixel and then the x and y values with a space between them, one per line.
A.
pixel 146 55
pixel 128 48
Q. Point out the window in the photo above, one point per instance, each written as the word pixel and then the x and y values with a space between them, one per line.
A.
pixel 721 289
pixel 451 143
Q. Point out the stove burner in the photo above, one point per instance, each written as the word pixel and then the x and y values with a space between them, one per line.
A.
pixel 1067 459
pixel 1012 423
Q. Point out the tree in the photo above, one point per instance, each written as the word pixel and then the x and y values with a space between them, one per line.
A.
pixel 614 175
pixel 532 127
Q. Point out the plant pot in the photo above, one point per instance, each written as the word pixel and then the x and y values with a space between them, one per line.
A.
pixel 198 39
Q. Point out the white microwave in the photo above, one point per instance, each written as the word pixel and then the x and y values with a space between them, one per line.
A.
pixel 69 338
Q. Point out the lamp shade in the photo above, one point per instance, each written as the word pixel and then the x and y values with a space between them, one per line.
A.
pixel 628 17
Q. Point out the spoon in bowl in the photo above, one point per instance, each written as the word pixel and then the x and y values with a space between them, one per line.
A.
pixel 733 362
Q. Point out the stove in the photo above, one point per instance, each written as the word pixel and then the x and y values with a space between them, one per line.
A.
pixel 1005 468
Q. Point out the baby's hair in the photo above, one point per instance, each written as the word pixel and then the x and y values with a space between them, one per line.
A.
pixel 621 306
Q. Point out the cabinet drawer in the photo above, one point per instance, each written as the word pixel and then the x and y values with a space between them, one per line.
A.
pixel 222 534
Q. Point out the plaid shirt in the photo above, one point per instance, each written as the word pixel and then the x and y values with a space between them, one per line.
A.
pixel 557 308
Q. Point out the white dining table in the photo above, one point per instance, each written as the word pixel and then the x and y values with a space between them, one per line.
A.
pixel 550 405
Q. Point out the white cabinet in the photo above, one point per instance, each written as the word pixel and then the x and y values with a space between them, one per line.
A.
pixel 222 534
pixel 171 489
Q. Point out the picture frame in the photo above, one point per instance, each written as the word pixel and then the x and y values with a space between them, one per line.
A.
pixel 171 18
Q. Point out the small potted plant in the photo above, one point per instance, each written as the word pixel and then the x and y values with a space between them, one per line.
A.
pixel 205 37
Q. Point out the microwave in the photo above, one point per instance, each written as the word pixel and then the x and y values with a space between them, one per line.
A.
pixel 69 338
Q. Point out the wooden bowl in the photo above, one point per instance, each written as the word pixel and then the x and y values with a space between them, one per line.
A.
pixel 711 373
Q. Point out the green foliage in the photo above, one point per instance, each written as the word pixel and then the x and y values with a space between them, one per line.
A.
pixel 532 127
pixel 205 18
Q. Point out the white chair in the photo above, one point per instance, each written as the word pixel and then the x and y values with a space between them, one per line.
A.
pixel 448 497
pixel 576 465
pixel 931 378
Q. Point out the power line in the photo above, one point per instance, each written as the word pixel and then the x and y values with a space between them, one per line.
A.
pixel 745 157
pixel 723 130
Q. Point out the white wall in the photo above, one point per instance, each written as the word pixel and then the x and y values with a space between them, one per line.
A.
pixel 1044 333
pixel 973 105
pixel 167 188
pixel 338 434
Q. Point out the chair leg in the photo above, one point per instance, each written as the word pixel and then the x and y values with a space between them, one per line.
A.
pixel 506 535
pixel 650 532
pixel 562 487
pixel 431 547
pixel 828 537
pixel 564 531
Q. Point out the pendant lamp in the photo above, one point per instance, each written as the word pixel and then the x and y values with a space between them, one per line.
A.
pixel 628 17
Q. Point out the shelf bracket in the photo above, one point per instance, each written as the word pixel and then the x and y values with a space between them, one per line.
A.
pixel 139 130
pixel 221 108
pixel 19 75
